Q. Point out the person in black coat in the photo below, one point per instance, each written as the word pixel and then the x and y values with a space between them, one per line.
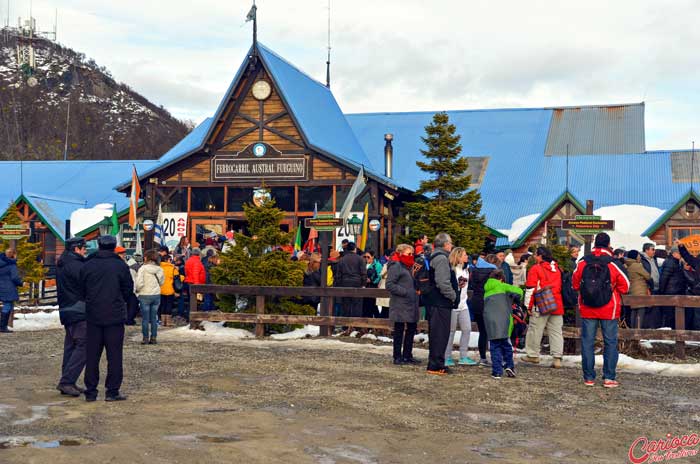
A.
pixel 477 279
pixel 106 285
pixel 671 282
pixel 312 278
pixel 71 310
pixel 351 271
pixel 9 281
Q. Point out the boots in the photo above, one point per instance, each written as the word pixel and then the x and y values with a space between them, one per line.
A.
pixel 144 341
pixel 3 323
pixel 166 320
pixel 153 341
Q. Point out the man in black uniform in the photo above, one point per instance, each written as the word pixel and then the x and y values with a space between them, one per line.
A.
pixel 106 286
pixel 71 308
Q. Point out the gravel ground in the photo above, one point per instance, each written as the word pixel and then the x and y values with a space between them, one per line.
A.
pixel 323 401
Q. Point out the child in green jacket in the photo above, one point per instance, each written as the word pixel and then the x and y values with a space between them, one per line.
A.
pixel 498 300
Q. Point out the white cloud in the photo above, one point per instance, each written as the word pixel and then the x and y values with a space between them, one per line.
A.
pixel 405 55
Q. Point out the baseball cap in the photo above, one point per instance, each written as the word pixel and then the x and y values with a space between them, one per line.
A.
pixel 107 242
pixel 119 250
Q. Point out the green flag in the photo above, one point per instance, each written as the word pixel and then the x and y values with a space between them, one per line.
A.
pixel 297 242
pixel 115 221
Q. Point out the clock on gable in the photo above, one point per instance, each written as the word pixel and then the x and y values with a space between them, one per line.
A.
pixel 262 90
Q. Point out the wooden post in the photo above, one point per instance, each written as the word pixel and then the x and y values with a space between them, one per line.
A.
pixel 324 331
pixel 680 325
pixel 193 308
pixel 588 238
pixel 259 309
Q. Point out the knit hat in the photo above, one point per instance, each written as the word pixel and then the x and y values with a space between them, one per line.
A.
pixel 674 249
pixel 633 255
pixel 119 250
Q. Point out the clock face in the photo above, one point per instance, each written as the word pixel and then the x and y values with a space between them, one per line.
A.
pixel 262 90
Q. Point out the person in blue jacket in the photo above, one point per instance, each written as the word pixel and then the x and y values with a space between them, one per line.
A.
pixel 9 281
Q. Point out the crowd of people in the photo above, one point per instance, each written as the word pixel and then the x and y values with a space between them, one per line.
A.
pixel 99 294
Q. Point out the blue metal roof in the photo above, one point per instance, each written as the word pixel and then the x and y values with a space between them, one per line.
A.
pixel 60 187
pixel 520 180
pixel 315 109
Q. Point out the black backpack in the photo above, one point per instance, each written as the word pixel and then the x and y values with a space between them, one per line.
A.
pixel 424 277
pixel 596 287
pixel 569 296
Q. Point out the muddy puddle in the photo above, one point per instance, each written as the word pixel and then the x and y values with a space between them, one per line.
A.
pixel 33 442
pixel 203 438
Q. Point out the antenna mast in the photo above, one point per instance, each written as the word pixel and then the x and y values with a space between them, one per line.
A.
pixel 692 167
pixel 328 60
pixel 567 167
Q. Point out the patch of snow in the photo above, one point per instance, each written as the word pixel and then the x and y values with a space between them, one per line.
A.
pixel 385 339
pixel 519 226
pixel 648 344
pixel 213 331
pixel 630 222
pixel 32 322
pixel 420 338
pixel 305 332
pixel 369 336
pixel 33 309
pixel 83 218
pixel 473 339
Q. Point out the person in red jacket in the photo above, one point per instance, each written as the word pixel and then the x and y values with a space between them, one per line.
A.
pixel 600 303
pixel 194 269
pixel 545 273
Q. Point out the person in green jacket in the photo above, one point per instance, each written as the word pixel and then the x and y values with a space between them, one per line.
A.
pixel 498 300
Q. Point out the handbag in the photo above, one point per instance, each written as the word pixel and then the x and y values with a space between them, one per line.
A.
pixel 177 283
pixel 545 301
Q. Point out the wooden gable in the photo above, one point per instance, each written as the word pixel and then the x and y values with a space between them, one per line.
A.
pixel 565 210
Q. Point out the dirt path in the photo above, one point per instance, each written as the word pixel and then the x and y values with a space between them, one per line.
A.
pixel 289 402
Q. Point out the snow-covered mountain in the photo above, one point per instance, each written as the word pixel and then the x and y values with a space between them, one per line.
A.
pixel 108 120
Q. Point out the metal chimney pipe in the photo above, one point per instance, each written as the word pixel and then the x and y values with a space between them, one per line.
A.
pixel 388 155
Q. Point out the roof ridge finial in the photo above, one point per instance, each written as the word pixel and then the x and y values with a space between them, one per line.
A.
pixel 253 16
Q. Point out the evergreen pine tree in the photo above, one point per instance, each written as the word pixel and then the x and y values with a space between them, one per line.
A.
pixel 448 204
pixel 30 268
pixel 259 260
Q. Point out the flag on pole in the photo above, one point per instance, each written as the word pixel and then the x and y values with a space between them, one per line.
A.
pixel 251 16
pixel 365 224
pixel 297 242
pixel 355 191
pixel 310 245
pixel 158 231
pixel 134 199
pixel 115 221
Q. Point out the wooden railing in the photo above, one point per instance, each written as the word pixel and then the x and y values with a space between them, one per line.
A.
pixel 327 321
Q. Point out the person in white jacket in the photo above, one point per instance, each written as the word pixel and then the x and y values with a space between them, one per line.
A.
pixel 460 315
pixel 149 278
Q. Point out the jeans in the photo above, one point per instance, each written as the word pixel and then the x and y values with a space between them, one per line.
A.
pixel 183 307
pixel 501 352
pixel 149 313
pixel 589 327
pixel 7 307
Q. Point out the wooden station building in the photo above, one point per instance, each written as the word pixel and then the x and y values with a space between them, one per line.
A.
pixel 279 129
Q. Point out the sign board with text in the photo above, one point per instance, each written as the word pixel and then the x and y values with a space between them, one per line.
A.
pixel 258 161
pixel 587 224
pixel 691 243
pixel 14 232
pixel 324 223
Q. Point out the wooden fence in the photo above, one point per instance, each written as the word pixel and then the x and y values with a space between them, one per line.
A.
pixel 327 321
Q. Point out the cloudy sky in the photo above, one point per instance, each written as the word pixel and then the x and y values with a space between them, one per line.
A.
pixel 406 55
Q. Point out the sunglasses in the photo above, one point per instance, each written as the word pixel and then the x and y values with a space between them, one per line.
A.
pixel 367 257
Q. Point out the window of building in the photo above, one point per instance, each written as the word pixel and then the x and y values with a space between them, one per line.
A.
pixel 207 199
pixel 320 196
pixel 177 203
pixel 237 197
pixel 678 233
pixel 284 197
pixel 477 169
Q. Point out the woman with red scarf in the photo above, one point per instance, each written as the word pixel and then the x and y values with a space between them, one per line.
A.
pixel 403 304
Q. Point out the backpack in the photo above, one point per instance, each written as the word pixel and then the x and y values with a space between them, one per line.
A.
pixel 596 287
pixel 424 277
pixel 569 296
